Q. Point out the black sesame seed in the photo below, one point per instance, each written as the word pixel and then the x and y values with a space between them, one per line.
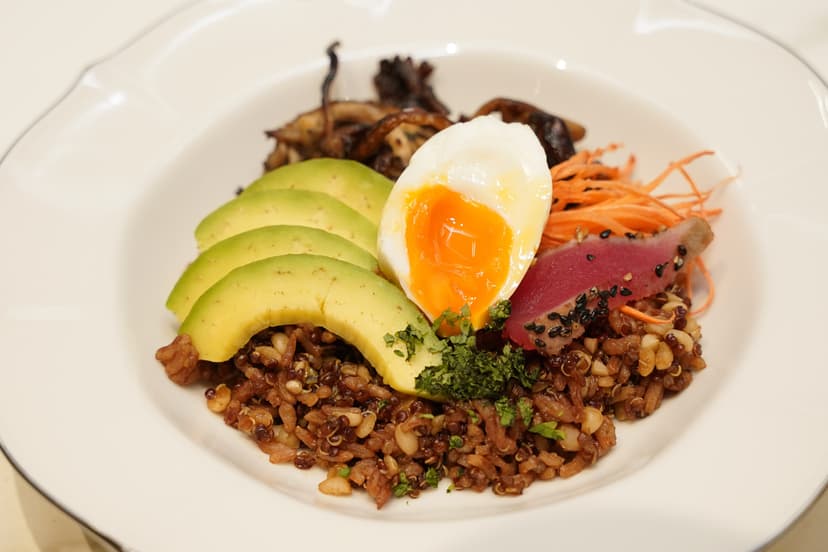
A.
pixel 682 250
pixel 539 328
pixel 565 320
pixel 590 256
pixel 585 317
pixel 604 295
pixel 529 326
pixel 566 332
pixel 630 235
pixel 554 331
pixel 659 270
pixel 625 292
pixel 613 290
pixel 605 234
pixel 602 303
pixel 540 343
pixel 602 312
pixel 581 300
pixel 553 316
pixel 678 263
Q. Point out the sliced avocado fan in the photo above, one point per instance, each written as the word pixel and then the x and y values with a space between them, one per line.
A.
pixel 294 207
pixel 352 302
pixel 254 245
pixel 360 188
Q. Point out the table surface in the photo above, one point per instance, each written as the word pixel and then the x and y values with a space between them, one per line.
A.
pixel 41 54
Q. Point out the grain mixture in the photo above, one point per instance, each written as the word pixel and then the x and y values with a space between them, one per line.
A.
pixel 307 398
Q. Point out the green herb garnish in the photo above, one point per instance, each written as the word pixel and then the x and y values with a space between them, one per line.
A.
pixel 498 313
pixel 426 416
pixel 461 320
pixel 455 441
pixel 403 487
pixel 467 372
pixel 525 410
pixel 432 476
pixel 409 337
pixel 344 472
pixel 472 415
pixel 505 411
pixel 547 429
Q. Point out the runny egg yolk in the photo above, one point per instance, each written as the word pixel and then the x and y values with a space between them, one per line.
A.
pixel 458 252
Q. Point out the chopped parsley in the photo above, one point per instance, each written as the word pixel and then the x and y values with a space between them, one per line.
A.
pixel 505 411
pixel 455 441
pixel 548 430
pixel 467 372
pixel 472 415
pixel 409 338
pixel 344 472
pixel 498 313
pixel 432 476
pixel 403 487
pixel 461 320
pixel 382 403
pixel 525 410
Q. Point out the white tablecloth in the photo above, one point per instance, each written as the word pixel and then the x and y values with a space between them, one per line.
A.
pixel 44 45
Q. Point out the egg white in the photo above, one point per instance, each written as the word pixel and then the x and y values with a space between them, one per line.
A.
pixel 499 165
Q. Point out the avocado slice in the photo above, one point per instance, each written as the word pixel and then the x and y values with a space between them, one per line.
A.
pixel 354 303
pixel 254 245
pixel 299 207
pixel 352 183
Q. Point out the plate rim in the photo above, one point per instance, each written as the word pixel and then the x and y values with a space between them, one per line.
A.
pixel 183 10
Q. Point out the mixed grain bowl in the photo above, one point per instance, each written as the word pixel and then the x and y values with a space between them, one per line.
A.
pixel 534 399
pixel 662 469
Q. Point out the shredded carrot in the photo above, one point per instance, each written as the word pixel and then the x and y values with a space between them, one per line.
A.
pixel 644 317
pixel 592 197
pixel 657 181
pixel 597 197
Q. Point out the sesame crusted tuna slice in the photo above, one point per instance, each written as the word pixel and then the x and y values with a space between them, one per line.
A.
pixel 567 287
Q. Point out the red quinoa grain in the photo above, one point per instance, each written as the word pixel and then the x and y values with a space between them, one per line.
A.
pixel 306 397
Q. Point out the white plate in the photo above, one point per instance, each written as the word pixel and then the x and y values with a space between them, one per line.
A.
pixel 99 199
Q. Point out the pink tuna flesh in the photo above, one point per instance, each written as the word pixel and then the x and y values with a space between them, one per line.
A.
pixel 567 287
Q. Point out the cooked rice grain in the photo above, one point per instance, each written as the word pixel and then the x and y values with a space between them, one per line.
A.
pixel 307 398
